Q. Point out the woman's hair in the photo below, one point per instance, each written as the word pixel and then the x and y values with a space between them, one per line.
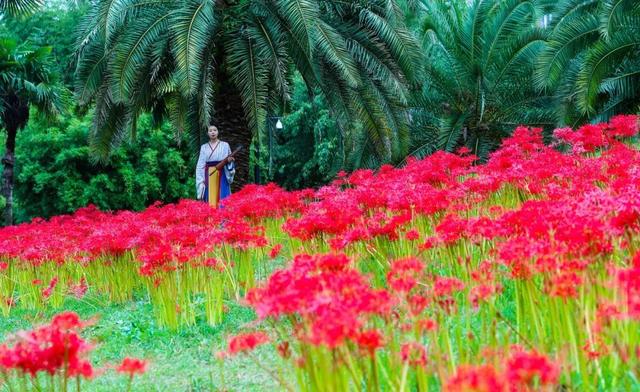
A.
pixel 213 125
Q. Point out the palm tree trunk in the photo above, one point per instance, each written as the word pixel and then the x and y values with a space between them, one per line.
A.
pixel 231 122
pixel 6 181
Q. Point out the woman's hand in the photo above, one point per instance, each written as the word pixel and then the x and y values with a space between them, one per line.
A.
pixel 231 159
pixel 201 187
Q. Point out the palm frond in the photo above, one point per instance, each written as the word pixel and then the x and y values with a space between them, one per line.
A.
pixel 565 42
pixel 332 47
pixel 192 28
pixel 19 7
pixel 601 59
pixel 300 16
pixel 131 52
pixel 250 76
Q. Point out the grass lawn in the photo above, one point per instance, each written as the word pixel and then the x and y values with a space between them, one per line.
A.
pixel 178 360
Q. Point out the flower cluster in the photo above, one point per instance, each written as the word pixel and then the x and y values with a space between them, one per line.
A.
pixel 53 348
pixel 331 300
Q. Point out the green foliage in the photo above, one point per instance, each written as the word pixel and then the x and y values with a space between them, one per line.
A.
pixel 56 173
pixel 54 25
pixel 175 57
pixel 19 7
pixel 307 152
pixel 26 78
pixel 478 86
pixel 178 361
pixel 591 60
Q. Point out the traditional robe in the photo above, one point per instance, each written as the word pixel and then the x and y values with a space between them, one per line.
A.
pixel 211 185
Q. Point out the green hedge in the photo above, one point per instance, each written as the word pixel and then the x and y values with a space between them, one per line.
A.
pixel 55 173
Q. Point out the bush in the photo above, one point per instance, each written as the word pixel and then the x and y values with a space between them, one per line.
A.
pixel 55 172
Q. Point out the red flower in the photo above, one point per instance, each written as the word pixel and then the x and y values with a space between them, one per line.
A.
pixel 80 289
pixel 427 325
pixel 403 273
pixel 523 367
pixel 50 349
pixel 446 286
pixel 565 285
pixel 414 354
pixel 132 366
pixel 370 340
pixel 483 378
pixel 246 342
pixel 412 235
pixel 623 126
pixel 275 251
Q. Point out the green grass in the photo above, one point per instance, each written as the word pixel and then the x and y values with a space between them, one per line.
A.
pixel 181 360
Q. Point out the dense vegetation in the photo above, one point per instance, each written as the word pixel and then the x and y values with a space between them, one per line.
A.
pixel 452 199
pixel 368 83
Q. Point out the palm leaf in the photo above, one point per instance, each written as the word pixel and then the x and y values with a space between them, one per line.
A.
pixel 601 59
pixel 250 76
pixel 19 7
pixel 131 52
pixel 192 28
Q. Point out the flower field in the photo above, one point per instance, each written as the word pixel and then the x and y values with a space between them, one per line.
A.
pixel 521 273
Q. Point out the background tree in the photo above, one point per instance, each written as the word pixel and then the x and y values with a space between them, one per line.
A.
pixel 479 62
pixel 55 25
pixel 230 62
pixel 55 173
pixel 591 60
pixel 25 80
pixel 308 151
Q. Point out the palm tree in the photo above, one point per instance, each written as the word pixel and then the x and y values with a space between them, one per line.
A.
pixel 25 81
pixel 479 63
pixel 591 60
pixel 19 7
pixel 231 62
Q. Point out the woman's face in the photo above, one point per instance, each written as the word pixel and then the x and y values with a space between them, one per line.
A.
pixel 213 132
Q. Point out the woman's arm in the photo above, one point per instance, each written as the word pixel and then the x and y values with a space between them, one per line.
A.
pixel 200 172
pixel 229 168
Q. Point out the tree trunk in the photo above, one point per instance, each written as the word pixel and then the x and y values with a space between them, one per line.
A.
pixel 14 117
pixel 231 122
pixel 6 182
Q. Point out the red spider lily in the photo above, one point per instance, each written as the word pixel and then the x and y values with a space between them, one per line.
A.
pixel 330 299
pixel 414 354
pixel 427 325
pixel 370 340
pixel 412 235
pixel 51 349
pixel 78 290
pixel 417 304
pixel 565 285
pixel 623 126
pixel 46 293
pixel 628 283
pixel 275 251
pixel 245 342
pixel 523 367
pixel 483 378
pixel 403 273
pixel 483 292
pixel 132 366
pixel 447 286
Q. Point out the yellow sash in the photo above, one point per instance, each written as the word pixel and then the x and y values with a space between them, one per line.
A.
pixel 214 186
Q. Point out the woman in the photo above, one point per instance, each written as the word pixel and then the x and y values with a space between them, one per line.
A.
pixel 211 184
